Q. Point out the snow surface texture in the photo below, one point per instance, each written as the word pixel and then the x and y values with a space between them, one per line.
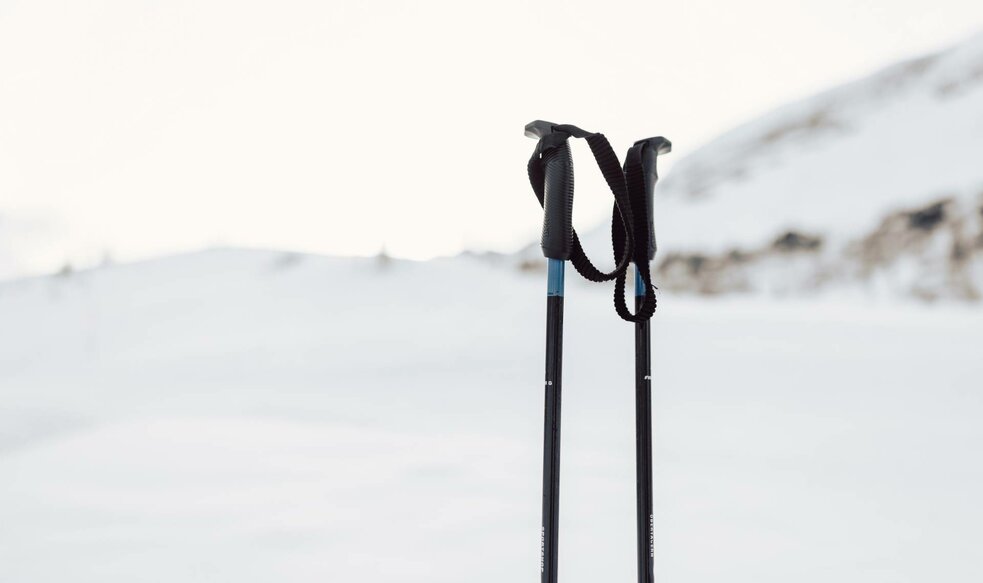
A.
pixel 795 202
pixel 258 416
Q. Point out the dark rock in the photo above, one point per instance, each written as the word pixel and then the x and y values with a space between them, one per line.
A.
pixel 695 263
pixel 792 241
pixel 927 218
pixel 532 265
pixel 959 251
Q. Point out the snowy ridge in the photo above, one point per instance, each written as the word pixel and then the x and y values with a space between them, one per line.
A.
pixel 796 201
pixel 842 159
pixel 912 88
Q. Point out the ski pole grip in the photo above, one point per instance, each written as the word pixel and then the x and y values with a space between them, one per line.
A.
pixel 651 148
pixel 557 163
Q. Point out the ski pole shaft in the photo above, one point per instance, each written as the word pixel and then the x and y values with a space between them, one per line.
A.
pixel 643 442
pixel 650 150
pixel 551 429
pixel 553 153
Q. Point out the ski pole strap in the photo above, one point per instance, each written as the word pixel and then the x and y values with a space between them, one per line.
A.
pixel 640 176
pixel 551 175
pixel 632 234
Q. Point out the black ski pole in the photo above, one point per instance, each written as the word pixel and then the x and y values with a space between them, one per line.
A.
pixel 643 442
pixel 650 150
pixel 556 243
pixel 551 430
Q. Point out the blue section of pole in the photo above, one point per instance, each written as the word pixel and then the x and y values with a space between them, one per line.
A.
pixel 639 284
pixel 554 282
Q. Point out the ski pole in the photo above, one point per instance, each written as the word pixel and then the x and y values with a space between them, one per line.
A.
pixel 649 152
pixel 556 243
pixel 551 176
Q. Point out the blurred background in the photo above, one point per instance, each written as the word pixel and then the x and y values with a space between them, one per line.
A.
pixel 271 297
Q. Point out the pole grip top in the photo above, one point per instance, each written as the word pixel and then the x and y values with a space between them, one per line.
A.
pixel 539 129
pixel 556 163
pixel 651 148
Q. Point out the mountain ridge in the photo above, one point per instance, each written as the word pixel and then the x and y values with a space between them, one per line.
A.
pixel 873 186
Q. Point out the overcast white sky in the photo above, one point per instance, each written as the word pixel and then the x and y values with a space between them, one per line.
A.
pixel 140 128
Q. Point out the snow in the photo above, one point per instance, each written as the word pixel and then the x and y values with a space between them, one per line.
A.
pixel 255 416
pixel 834 164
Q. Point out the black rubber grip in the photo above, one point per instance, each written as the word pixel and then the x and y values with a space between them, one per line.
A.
pixel 651 148
pixel 557 240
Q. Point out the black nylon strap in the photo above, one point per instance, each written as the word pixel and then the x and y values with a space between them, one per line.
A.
pixel 607 161
pixel 629 220
pixel 635 179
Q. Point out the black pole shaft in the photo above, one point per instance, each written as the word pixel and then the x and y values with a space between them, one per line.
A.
pixel 551 435
pixel 643 442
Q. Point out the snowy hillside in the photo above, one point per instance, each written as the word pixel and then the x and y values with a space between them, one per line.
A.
pixel 875 187
pixel 259 416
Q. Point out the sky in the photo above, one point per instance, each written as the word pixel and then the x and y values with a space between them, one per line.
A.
pixel 134 129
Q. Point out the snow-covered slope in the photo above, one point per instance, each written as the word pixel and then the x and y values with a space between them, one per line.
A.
pixel 838 162
pixel 259 416
pixel 875 186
